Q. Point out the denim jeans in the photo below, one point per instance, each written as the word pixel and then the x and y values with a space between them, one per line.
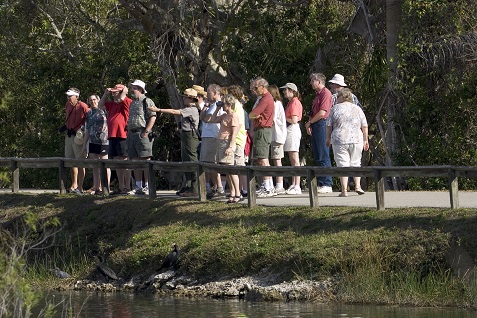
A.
pixel 321 153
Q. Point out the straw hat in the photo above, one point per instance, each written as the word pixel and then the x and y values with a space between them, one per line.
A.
pixel 200 90
pixel 191 93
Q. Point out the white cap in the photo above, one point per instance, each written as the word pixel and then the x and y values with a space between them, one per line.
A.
pixel 338 79
pixel 72 92
pixel 140 84
pixel 290 86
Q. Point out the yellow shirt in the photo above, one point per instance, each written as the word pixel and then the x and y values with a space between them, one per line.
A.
pixel 242 134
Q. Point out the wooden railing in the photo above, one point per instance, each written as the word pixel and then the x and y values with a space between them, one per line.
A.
pixel 378 173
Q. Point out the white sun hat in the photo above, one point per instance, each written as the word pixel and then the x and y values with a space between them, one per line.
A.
pixel 338 79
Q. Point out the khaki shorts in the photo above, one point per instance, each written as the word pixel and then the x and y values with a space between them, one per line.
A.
pixel 276 151
pixel 72 150
pixel 138 147
pixel 262 138
pixel 223 144
pixel 292 142
pixel 208 150
pixel 348 155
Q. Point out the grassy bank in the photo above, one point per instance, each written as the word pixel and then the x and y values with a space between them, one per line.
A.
pixel 397 256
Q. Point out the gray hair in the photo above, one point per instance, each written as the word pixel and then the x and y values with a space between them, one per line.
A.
pixel 346 94
pixel 318 77
pixel 215 88
pixel 229 99
pixel 260 81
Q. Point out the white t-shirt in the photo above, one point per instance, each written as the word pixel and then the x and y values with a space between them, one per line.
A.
pixel 279 128
pixel 211 130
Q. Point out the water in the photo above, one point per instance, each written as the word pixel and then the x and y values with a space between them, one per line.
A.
pixel 122 305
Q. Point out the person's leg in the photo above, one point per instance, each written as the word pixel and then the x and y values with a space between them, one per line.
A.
pixel 74 178
pixel 321 152
pixel 294 161
pixel 96 178
pixel 344 186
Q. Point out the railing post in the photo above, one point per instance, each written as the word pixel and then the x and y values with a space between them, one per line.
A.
pixel 379 185
pixel 15 176
pixel 151 179
pixel 103 175
pixel 453 189
pixel 202 183
pixel 252 185
pixel 62 176
pixel 312 184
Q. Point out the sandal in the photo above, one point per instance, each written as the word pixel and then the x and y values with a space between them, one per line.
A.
pixel 343 194
pixel 359 191
pixel 233 199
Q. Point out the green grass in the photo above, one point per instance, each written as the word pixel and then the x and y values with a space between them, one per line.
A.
pixel 395 256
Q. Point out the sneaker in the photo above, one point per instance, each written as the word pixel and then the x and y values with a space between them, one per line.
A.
pixel 188 194
pixel 280 190
pixel 76 191
pixel 142 191
pixel 325 189
pixel 134 191
pixel 260 190
pixel 183 189
pixel 243 193
pixel 294 190
pixel 267 193
pixel 215 193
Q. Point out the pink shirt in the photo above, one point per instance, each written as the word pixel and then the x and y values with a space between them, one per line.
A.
pixel 227 124
pixel 294 108
pixel 323 101
pixel 118 114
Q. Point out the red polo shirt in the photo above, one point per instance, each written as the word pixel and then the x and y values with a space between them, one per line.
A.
pixel 266 108
pixel 118 114
pixel 323 101
pixel 75 115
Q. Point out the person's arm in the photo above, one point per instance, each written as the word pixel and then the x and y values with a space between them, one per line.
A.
pixel 233 137
pixel 365 137
pixel 214 118
pixel 170 111
pixel 293 119
pixel 124 93
pixel 104 98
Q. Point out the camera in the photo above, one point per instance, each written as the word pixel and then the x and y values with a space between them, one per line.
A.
pixel 219 103
pixel 71 132
pixel 62 129
pixel 151 135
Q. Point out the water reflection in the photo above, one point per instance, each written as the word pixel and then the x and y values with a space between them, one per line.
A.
pixel 122 305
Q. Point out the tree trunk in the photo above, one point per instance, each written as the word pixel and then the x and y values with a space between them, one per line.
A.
pixel 393 26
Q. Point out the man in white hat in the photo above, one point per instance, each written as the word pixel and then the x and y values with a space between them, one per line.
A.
pixel 337 83
pixel 75 118
pixel 140 122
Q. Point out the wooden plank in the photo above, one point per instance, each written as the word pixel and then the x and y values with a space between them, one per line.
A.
pixel 38 162
pixel 201 183
pixel 62 177
pixel 379 184
pixel 252 186
pixel 15 174
pixel 312 184
pixel 453 189
pixel 152 180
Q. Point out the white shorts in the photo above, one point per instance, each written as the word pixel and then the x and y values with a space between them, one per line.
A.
pixel 348 155
pixel 292 143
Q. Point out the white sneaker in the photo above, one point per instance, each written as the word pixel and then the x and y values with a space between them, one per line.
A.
pixel 294 190
pixel 266 193
pixel 325 189
pixel 134 191
pixel 143 191
pixel 260 190
pixel 280 191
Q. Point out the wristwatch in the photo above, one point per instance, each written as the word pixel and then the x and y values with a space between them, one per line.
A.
pixel 146 131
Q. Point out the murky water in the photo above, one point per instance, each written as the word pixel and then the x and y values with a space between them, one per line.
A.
pixel 122 305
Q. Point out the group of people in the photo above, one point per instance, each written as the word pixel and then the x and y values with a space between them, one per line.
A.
pixel 119 127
